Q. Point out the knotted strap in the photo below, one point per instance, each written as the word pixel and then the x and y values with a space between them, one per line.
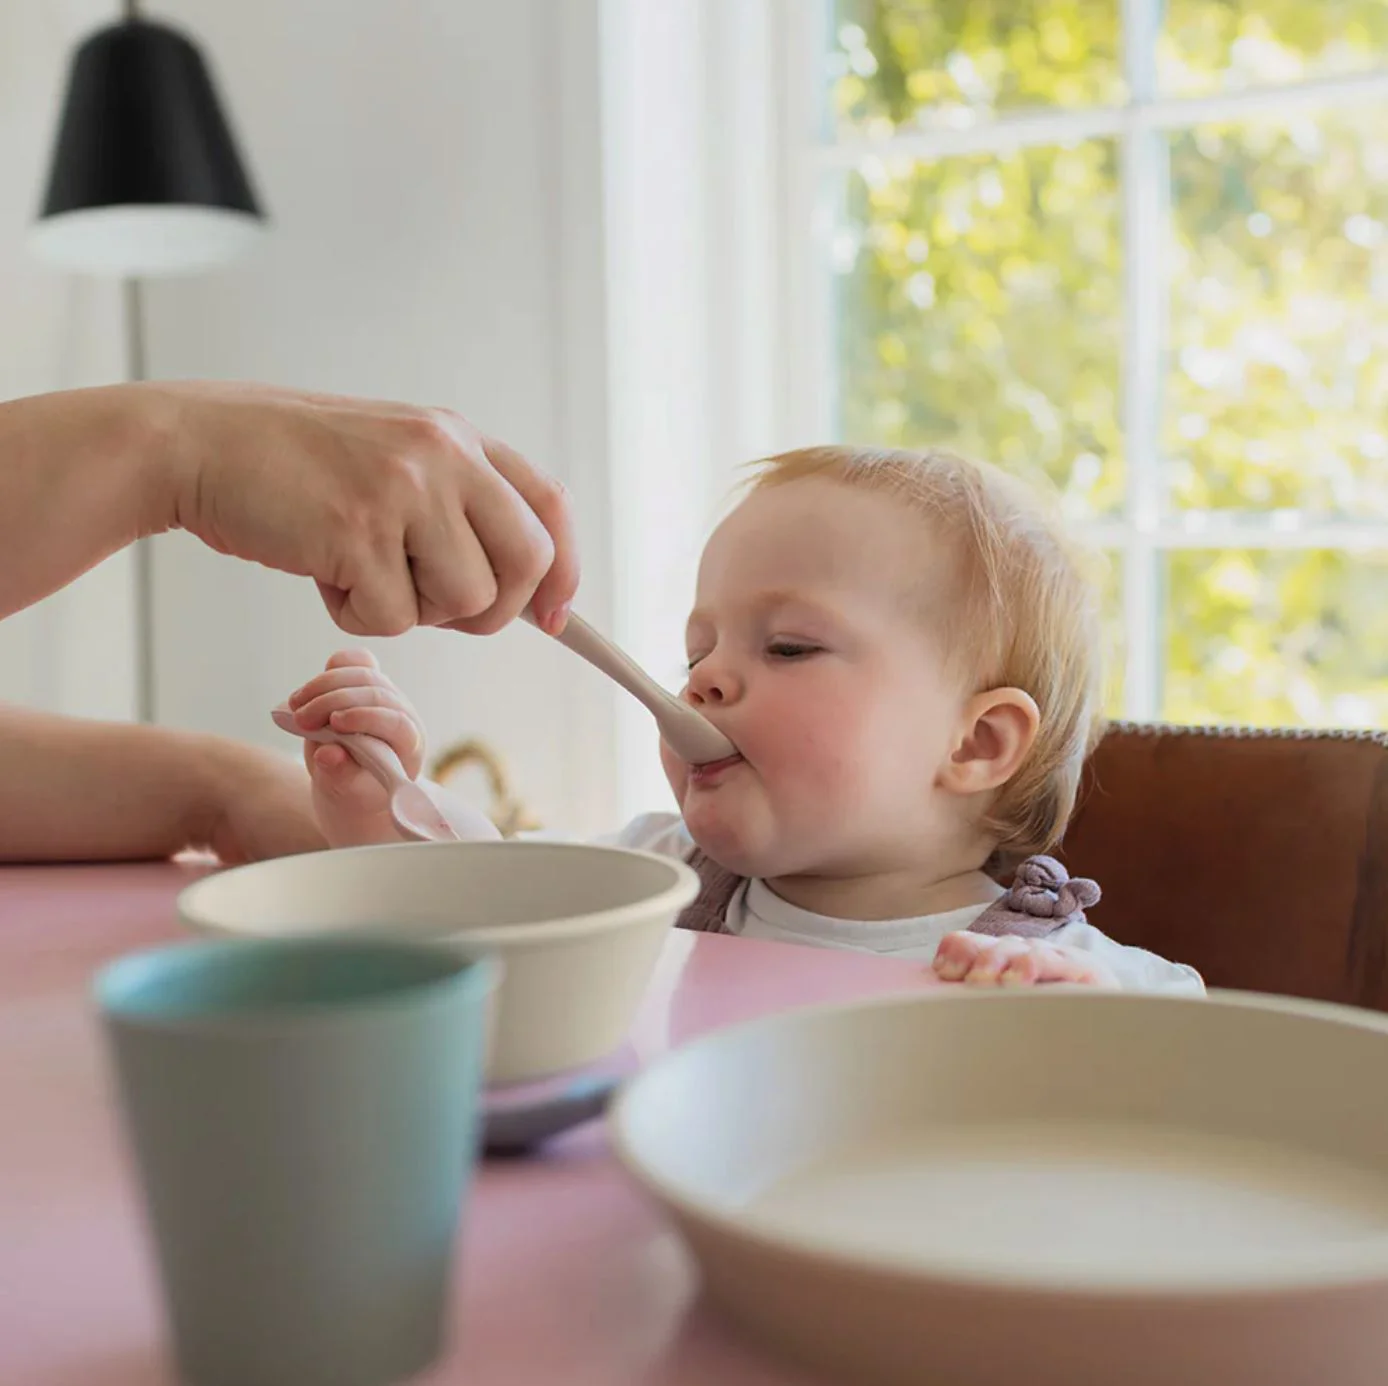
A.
pixel 1043 897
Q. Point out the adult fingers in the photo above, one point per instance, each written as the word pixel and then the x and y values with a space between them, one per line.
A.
pixel 550 503
pixel 452 568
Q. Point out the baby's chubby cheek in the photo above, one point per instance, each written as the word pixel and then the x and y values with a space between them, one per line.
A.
pixel 812 737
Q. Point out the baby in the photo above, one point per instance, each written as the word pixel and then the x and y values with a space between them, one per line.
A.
pixel 905 653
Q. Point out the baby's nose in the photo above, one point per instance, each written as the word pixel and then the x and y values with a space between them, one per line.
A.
pixel 712 684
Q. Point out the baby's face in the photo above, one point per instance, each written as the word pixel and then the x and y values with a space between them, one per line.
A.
pixel 811 646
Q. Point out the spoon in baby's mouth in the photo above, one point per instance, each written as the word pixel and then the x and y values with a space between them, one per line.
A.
pixel 690 736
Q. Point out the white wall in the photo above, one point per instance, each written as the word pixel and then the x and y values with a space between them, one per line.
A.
pixel 423 247
pixel 74 652
pixel 432 172
pixel 550 214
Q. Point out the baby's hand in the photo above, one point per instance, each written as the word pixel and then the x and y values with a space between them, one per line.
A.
pixel 352 695
pixel 983 961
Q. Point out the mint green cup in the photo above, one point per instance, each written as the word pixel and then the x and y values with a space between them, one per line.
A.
pixel 303 1115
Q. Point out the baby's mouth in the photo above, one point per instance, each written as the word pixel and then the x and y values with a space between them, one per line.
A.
pixel 710 770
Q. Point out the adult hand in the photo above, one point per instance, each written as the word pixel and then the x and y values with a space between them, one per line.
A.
pixel 403 515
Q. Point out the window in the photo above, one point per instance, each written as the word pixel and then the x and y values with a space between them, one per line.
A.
pixel 1141 249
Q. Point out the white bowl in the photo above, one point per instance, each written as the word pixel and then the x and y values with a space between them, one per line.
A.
pixel 1051 1189
pixel 577 928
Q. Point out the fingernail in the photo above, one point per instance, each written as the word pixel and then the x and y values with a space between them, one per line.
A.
pixel 557 619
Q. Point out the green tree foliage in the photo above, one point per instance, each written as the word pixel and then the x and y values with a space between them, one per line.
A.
pixel 980 305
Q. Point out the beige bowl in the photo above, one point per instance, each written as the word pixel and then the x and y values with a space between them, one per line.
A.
pixel 577 928
pixel 1053 1189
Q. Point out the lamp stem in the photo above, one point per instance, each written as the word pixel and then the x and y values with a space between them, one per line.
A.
pixel 130 9
pixel 136 369
pixel 136 366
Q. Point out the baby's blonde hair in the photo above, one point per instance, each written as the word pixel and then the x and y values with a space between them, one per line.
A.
pixel 1027 614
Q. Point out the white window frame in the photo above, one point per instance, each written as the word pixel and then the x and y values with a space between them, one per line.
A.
pixel 1143 534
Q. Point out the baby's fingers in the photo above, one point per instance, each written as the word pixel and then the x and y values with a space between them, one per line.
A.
pixel 337 778
pixel 358 657
pixel 393 725
pixel 958 953
pixel 1024 968
pixel 994 960
pixel 1061 964
pixel 337 680
pixel 329 764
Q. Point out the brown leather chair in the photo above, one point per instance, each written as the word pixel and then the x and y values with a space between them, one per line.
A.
pixel 1259 857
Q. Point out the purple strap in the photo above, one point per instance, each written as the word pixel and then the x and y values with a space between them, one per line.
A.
pixel 1043 897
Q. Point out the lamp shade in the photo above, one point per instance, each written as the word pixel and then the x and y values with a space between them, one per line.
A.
pixel 145 178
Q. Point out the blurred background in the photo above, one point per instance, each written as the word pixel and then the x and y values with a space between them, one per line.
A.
pixel 1138 248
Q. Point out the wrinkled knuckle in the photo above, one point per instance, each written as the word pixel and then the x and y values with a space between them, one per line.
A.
pixel 407 478
pixel 355 519
pixel 469 601
pixel 537 555
pixel 429 431
pixel 487 622
pixel 550 498
pixel 392 621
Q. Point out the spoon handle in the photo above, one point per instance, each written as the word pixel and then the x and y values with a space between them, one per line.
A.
pixel 613 661
pixel 690 735
pixel 370 752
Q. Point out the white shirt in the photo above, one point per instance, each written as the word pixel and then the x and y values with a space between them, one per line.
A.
pixel 756 911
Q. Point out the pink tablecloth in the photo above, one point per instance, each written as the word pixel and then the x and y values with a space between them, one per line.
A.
pixel 567 1275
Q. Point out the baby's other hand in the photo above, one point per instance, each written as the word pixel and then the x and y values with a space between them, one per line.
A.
pixel 983 961
pixel 353 695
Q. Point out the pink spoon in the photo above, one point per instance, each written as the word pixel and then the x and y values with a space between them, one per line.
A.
pixel 412 810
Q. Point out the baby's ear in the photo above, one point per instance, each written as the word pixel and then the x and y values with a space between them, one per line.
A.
pixel 996 732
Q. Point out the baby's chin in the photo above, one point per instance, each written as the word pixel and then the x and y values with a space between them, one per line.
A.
pixel 734 848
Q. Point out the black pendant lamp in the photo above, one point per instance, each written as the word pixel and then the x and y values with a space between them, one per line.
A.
pixel 145 178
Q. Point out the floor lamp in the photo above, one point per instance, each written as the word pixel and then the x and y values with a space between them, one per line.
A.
pixel 145 180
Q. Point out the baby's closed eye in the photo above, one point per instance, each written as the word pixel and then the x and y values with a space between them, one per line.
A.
pixel 792 649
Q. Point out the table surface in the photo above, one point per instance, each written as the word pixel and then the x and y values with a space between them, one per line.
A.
pixel 566 1272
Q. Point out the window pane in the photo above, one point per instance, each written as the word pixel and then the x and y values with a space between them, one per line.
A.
pixel 1275 638
pixel 1114 631
pixel 940 64
pixel 1279 315
pixel 1209 45
pixel 979 308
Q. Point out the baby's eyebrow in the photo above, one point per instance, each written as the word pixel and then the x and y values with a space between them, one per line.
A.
pixel 771 600
pixel 781 596
pixel 698 627
pixel 778 598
